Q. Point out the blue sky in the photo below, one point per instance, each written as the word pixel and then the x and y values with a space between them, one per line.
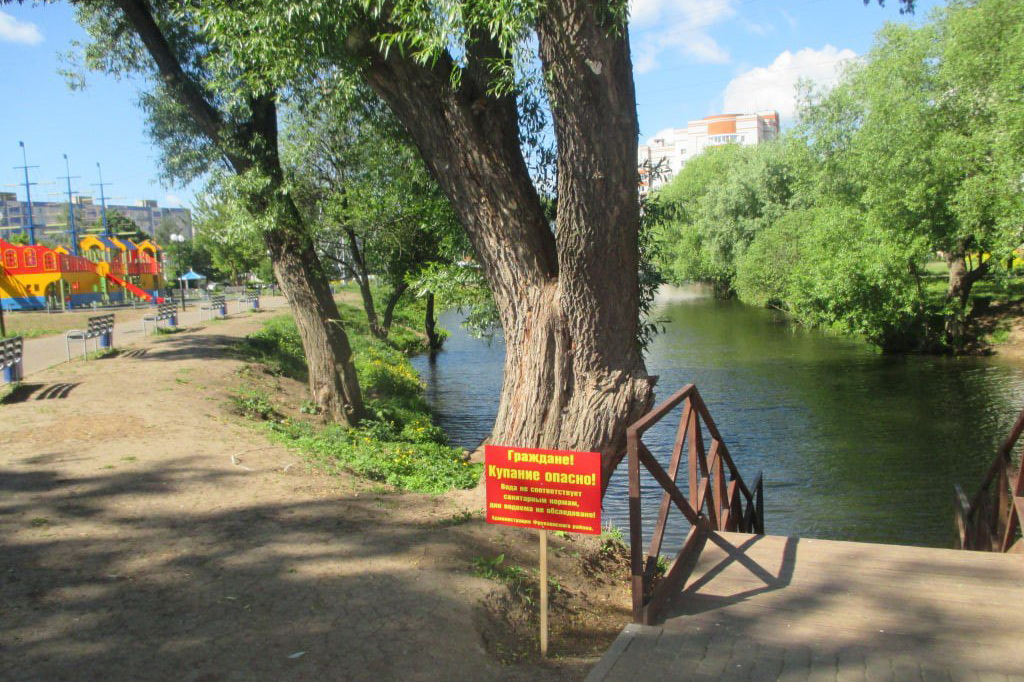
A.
pixel 692 58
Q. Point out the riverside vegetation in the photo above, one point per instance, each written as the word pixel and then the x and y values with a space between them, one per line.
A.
pixel 400 446
pixel 397 442
pixel 893 210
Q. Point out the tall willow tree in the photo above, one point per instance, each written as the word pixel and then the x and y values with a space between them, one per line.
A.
pixel 567 290
pixel 925 136
pixel 206 111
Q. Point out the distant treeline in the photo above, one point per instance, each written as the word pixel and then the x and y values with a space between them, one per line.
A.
pixel 917 155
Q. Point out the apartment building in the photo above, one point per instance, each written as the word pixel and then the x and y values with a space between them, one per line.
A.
pixel 51 217
pixel 672 148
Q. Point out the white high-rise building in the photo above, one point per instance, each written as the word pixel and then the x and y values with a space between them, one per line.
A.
pixel 672 148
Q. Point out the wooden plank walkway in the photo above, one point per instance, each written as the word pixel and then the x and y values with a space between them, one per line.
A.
pixel 775 608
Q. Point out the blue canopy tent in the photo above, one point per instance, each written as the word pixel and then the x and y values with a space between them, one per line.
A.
pixel 190 276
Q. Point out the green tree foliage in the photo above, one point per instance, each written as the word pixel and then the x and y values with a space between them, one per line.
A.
pixel 225 233
pixel 190 254
pixel 462 286
pixel 707 216
pixel 361 184
pixel 207 111
pixel 830 267
pixel 120 225
pixel 917 153
pixel 917 138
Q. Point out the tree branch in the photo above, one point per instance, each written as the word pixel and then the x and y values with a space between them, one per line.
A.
pixel 191 94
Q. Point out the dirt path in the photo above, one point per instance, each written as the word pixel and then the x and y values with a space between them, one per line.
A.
pixel 149 535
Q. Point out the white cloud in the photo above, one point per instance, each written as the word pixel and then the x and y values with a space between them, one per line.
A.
pixel 790 19
pixel 681 26
pixel 662 134
pixel 774 86
pixel 14 31
pixel 173 200
pixel 756 28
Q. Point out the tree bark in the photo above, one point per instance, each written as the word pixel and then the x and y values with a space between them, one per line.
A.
pixel 362 276
pixel 430 326
pixel 569 306
pixel 958 291
pixel 389 308
pixel 333 384
pixel 961 279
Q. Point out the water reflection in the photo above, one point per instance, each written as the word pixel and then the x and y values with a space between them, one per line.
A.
pixel 854 445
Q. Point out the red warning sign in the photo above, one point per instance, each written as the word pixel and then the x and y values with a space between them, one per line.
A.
pixel 544 489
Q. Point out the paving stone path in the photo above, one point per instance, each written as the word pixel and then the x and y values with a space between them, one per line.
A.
pixel 774 608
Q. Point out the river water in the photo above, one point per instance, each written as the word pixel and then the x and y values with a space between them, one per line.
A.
pixel 854 445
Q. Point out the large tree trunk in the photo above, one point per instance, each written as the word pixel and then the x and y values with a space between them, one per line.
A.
pixel 961 279
pixel 569 307
pixel 958 292
pixel 333 385
pixel 590 80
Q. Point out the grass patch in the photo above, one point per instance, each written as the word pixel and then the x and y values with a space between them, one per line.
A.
pixel 397 444
pixel 166 331
pixel 523 584
pixel 418 466
pixel 31 333
pixel 253 404
pixel 495 569
pixel 278 346
pixel 1001 333
pixel 460 518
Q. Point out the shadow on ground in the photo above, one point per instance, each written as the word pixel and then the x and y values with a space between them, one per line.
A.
pixel 23 392
pixel 102 581
pixel 788 608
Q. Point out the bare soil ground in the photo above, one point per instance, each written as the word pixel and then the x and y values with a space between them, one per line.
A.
pixel 148 533
pixel 1008 316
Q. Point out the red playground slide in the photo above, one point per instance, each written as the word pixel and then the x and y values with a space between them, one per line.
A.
pixel 141 293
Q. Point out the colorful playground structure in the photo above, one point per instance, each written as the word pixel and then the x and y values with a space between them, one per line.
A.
pixel 110 271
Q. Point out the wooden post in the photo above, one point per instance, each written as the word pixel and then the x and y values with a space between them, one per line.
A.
pixel 543 593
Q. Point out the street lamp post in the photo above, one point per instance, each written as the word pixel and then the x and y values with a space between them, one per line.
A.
pixel 71 208
pixel 28 194
pixel 177 239
pixel 103 200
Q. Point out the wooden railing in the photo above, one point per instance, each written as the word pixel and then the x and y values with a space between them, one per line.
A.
pixel 991 521
pixel 718 499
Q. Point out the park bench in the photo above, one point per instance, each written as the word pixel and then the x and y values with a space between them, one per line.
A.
pixel 11 359
pixel 100 327
pixel 217 306
pixel 164 311
pixel 250 297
